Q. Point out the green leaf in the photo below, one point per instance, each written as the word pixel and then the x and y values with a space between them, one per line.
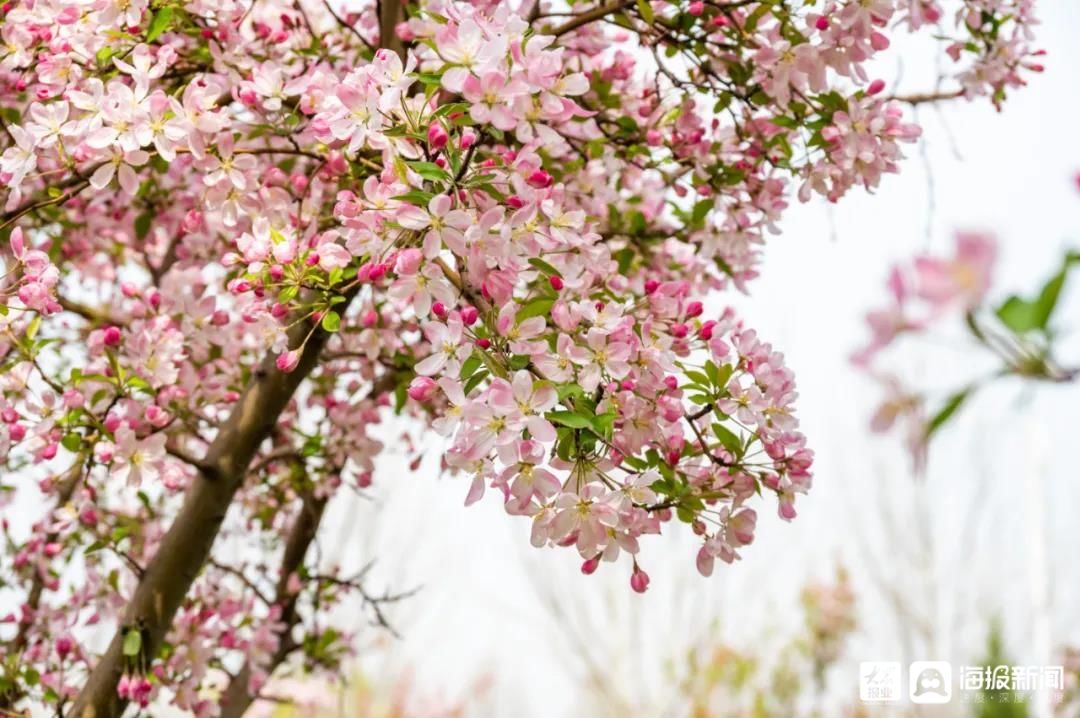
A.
pixel 952 404
pixel 417 197
pixel 469 366
pixel 569 391
pixel 474 381
pixel 698 378
pixel 132 642
pixel 646 11
pixel 728 439
pixel 429 171
pixel 570 419
pixel 159 23
pixel 1048 298
pixel 544 267
pixel 701 211
pixel 331 321
pixel 1018 314
pixel 71 442
pixel 1026 315
pixel 142 224
pixel 538 307
pixel 32 328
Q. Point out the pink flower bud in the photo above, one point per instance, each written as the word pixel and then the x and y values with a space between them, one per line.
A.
pixel 556 282
pixel 422 388
pixel 469 315
pixel 379 271
pixel 822 23
pixel 539 179
pixel 287 361
pixel 64 646
pixel 483 343
pixel 651 286
pixel 370 318
pixel 696 8
pixel 439 310
pixel 157 416
pixel 694 309
pixel 468 138
pixel 112 336
pixel 706 330
pixel 404 32
pixel 437 136
pixel 875 87
pixel 590 566
pixel 275 177
pixel 408 261
pixel 639 580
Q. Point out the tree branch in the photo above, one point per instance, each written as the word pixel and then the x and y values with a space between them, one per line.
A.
pixel 585 18
pixel 186 547
pixel 923 98
pixel 237 698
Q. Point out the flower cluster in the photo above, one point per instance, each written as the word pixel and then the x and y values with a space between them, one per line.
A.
pixel 240 234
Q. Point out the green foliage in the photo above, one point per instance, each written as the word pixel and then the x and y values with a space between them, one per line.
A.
pixel 999 703
pixel 946 412
pixel 1028 315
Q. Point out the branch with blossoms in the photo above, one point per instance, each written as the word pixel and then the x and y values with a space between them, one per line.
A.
pixel 1018 332
pixel 241 234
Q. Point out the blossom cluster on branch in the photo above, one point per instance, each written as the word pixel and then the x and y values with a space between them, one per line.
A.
pixel 240 234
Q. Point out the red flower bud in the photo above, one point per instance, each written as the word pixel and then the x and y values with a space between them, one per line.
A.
pixel 639 580
pixel 112 336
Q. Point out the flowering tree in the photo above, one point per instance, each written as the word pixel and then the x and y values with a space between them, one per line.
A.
pixel 241 234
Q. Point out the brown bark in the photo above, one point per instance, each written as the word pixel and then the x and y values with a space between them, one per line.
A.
pixel 186 547
pixel 236 699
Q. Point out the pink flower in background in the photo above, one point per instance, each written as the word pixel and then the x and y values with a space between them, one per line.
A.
pixel 886 324
pixel 963 279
